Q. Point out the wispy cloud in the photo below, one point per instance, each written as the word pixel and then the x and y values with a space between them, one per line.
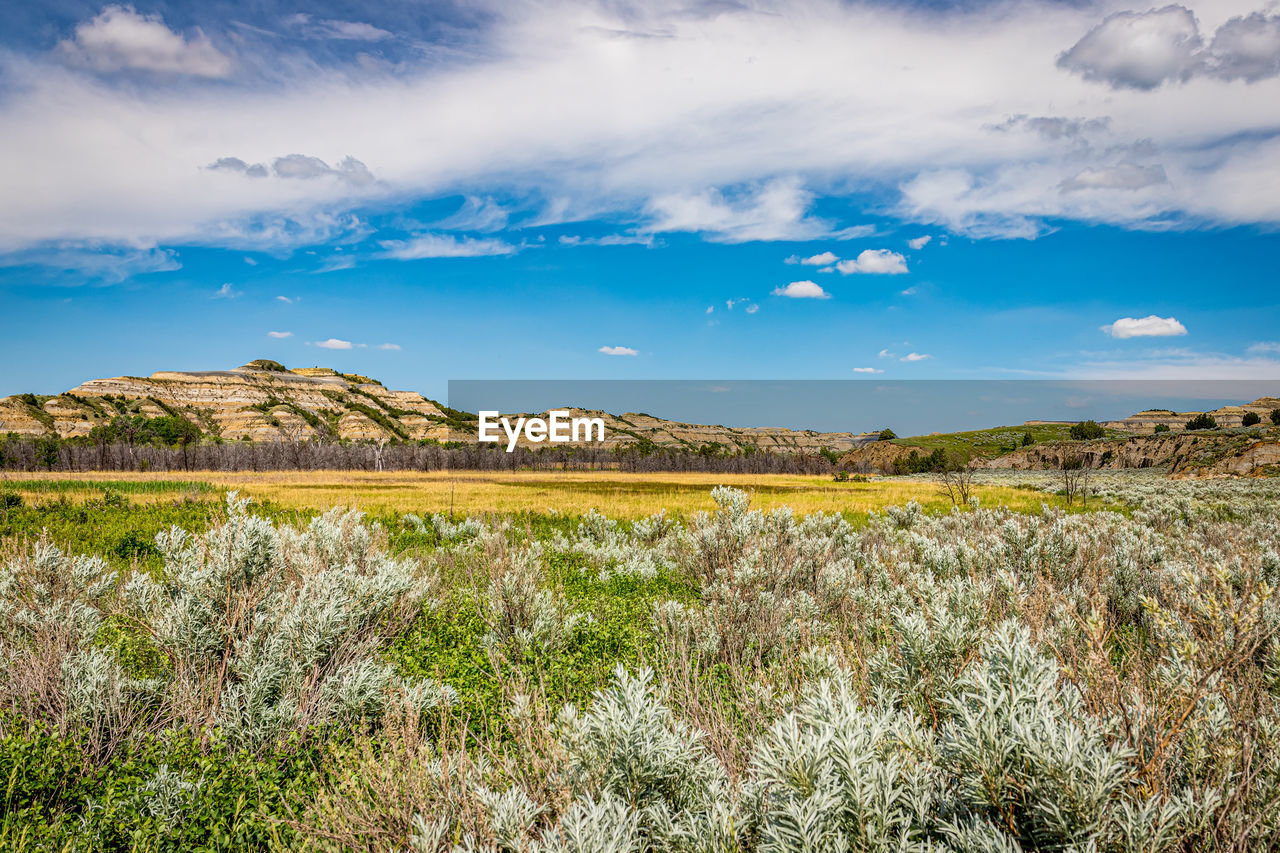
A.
pixel 867 370
pixel 915 356
pixel 225 292
pixel 802 290
pixel 389 346
pixel 446 246
pixel 919 243
pixel 823 259
pixel 1145 327
pixel 618 351
pixel 280 335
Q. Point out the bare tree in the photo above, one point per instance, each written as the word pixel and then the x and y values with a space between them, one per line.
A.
pixel 1075 479
pixel 957 479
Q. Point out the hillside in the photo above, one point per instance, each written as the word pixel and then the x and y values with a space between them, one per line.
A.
pixel 263 401
pixel 1231 450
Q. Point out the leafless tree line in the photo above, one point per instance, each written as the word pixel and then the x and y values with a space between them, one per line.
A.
pixel 45 455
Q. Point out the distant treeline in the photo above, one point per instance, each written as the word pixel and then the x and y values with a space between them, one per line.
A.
pixel 26 453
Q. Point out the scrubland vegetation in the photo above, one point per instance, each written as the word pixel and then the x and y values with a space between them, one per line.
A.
pixel 186 674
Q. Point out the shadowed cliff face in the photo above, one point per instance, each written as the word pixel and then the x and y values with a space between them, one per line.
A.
pixel 263 401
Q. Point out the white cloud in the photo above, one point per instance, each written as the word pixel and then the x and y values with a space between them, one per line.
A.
pixel 875 261
pixel 884 353
pixel 1145 327
pixel 915 356
pixel 280 335
pixel 1265 346
pixel 333 343
pixel 97 264
pixel 119 38
pixel 1142 50
pixel 775 210
pixel 446 246
pixel 389 346
pixel 225 292
pixel 1126 176
pixel 285 300
pixel 910 291
pixel 867 370
pixel 1137 50
pixel 752 308
pixel 646 240
pixel 825 259
pixel 730 127
pixel 711 309
pixel 618 351
pixel 802 290
pixel 340 30
pixel 918 243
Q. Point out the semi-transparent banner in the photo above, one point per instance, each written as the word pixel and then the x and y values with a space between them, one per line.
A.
pixel 909 407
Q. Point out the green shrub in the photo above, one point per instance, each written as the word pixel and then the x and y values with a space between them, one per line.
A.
pixel 1162 428
pixel 1087 431
pixel 1202 421
pixel 886 434
pixel 1027 440
pixel 1251 419
pixel 1275 416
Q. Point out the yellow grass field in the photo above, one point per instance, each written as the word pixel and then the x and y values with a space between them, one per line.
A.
pixel 617 494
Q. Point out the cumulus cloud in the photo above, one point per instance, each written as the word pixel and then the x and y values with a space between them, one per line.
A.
pixel 618 351
pixel 446 246
pixel 915 356
pixel 876 262
pixel 280 335
pixel 333 343
pixel 867 370
pixel 1246 48
pixel 1138 50
pixel 1126 176
pixel 225 292
pixel 119 39
pixel 1145 327
pixel 919 243
pixel 1142 50
pixel 802 290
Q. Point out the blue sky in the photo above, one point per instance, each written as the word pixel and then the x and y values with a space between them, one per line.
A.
pixel 424 192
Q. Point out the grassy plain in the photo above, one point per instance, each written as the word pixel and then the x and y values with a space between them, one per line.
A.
pixel 617 494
